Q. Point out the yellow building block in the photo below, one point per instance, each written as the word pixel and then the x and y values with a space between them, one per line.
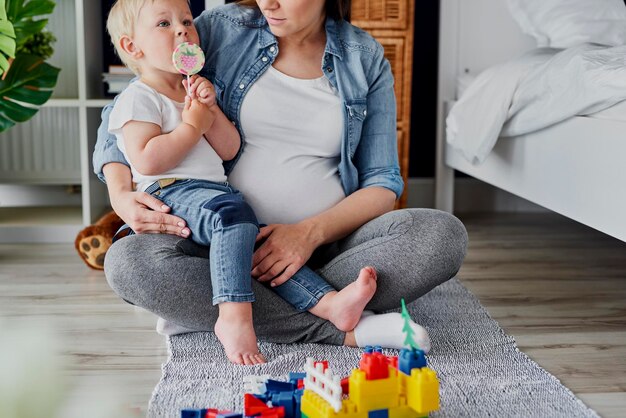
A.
pixel 403 412
pixel 314 406
pixel 369 395
pixel 423 391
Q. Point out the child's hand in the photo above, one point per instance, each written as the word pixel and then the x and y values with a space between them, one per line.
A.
pixel 198 115
pixel 201 89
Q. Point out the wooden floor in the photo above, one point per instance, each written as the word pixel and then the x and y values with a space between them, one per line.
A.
pixel 559 288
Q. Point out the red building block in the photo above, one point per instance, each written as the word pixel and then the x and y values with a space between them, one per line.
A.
pixel 375 366
pixel 253 406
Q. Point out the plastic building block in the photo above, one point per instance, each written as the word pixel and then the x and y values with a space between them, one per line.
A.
pixel 374 365
pixel 252 405
pixel 278 412
pixel 294 377
pixel 374 394
pixel 323 383
pixel 285 400
pixel 277 386
pixel 411 359
pixel 378 413
pixel 297 400
pixel 297 379
pixel 230 415
pixel 255 384
pixel 214 413
pixel 422 391
pixel 211 413
pixel 393 361
pixel 192 413
pixel 324 363
pixel 345 385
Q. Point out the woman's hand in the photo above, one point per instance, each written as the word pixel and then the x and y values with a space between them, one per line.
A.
pixel 285 250
pixel 146 214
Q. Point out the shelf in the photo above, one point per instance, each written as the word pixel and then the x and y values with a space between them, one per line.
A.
pixel 98 102
pixel 40 224
pixel 62 103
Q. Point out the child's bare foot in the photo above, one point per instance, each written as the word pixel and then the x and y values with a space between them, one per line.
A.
pixel 235 331
pixel 344 308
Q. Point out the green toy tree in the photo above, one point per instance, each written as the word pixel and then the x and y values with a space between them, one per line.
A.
pixel 408 341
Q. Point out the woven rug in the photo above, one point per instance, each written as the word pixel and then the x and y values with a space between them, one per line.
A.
pixel 480 369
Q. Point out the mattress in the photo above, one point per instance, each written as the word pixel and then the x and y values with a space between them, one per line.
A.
pixel 574 168
pixel 616 112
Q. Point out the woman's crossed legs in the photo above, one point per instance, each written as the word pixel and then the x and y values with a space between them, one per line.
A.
pixel 412 251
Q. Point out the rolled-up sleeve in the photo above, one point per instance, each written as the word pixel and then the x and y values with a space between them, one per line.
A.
pixel 106 150
pixel 376 157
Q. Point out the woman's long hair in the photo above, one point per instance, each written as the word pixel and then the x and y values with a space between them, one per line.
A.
pixel 336 9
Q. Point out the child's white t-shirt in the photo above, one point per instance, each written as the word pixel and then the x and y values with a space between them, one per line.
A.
pixel 140 102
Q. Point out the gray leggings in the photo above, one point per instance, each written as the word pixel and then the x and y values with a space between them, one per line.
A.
pixel 413 251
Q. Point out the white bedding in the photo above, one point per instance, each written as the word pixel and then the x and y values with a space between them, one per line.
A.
pixel 543 87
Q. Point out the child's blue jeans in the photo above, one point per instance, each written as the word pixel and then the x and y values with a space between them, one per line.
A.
pixel 219 218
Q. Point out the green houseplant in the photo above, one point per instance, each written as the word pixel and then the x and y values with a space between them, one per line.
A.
pixel 26 79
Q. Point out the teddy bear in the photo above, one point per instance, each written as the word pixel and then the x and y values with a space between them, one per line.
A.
pixel 93 241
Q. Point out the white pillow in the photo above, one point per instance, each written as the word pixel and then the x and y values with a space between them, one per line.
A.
pixel 567 23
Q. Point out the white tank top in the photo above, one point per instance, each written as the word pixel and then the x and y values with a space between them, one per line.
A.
pixel 288 170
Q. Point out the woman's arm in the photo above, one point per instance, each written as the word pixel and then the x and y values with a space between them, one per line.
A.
pixel 142 212
pixel 288 247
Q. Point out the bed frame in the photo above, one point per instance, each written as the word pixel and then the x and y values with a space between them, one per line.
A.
pixel 575 168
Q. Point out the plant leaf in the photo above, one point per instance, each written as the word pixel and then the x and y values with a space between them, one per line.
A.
pixel 7 40
pixel 36 8
pixel 13 7
pixel 4 64
pixel 28 84
pixel 3 11
pixel 24 29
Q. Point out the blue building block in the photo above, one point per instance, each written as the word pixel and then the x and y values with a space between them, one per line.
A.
pixel 297 397
pixel 378 413
pixel 277 386
pixel 285 399
pixel 369 349
pixel 411 359
pixel 294 377
pixel 193 413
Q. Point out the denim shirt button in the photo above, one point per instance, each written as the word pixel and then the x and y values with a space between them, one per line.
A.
pixel 329 69
pixel 272 49
pixel 242 86
pixel 264 59
pixel 365 113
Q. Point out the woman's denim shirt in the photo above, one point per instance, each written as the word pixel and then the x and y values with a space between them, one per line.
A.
pixel 239 47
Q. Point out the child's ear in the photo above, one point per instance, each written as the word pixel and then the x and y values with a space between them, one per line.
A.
pixel 128 46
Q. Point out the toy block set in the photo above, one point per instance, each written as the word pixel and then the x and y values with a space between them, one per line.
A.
pixel 381 387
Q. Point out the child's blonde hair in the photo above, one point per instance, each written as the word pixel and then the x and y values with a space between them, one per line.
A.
pixel 121 21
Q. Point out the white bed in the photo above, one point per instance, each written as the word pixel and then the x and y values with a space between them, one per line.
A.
pixel 575 168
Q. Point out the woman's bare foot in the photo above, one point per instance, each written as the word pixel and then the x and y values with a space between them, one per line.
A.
pixel 344 308
pixel 235 331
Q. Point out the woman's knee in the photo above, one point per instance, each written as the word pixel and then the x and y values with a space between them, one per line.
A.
pixel 118 262
pixel 133 260
pixel 444 233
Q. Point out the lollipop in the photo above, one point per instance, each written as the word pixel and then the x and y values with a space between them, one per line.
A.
pixel 188 59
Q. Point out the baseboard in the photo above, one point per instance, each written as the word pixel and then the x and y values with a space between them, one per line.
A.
pixel 470 195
